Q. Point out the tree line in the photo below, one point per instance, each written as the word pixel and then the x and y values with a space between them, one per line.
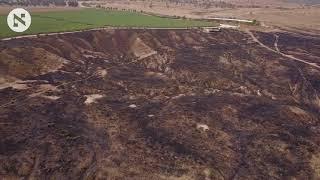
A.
pixel 72 3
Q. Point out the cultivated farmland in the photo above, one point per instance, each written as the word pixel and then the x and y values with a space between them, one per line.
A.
pixel 60 21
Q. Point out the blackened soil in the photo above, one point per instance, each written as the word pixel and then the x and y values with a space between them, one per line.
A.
pixel 262 110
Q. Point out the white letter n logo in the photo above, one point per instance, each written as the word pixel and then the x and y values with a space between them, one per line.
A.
pixel 17 18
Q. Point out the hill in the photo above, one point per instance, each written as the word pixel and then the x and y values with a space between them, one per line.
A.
pixel 160 104
pixel 39 2
pixel 306 2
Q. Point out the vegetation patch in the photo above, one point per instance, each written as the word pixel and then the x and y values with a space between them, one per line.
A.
pixel 62 21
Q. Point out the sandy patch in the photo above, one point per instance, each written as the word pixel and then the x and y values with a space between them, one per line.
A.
pixel 51 97
pixel 17 84
pixel 102 72
pixel 297 110
pixel 315 164
pixel 141 50
pixel 42 89
pixel 132 106
pixel 92 98
pixel 156 75
pixel 30 61
pixel 178 96
pixel 94 54
pixel 14 85
pixel 203 127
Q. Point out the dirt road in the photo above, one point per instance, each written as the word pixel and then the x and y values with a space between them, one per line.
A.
pixel 86 30
pixel 278 52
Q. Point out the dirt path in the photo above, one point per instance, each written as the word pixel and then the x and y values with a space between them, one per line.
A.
pixel 94 29
pixel 278 52
pixel 41 92
pixel 276 43
pixel 45 90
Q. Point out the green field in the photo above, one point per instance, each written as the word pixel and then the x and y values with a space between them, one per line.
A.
pixel 61 21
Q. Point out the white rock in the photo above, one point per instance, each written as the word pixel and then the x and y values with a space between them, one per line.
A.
pixel 92 98
pixel 259 93
pixel 178 96
pixel 51 97
pixel 102 72
pixel 132 106
pixel 203 127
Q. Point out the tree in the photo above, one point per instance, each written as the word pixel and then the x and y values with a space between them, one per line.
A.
pixel 73 3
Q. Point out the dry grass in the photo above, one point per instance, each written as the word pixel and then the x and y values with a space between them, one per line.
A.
pixel 291 15
pixel 4 10
pixel 315 164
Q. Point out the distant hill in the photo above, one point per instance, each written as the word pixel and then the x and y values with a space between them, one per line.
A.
pixel 201 3
pixel 39 2
pixel 307 2
pixel 221 3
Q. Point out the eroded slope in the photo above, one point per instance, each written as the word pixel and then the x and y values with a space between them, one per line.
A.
pixel 134 104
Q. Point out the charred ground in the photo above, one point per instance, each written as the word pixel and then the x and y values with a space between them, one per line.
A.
pixel 126 104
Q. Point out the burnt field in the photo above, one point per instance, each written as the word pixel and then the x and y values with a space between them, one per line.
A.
pixel 303 46
pixel 159 104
